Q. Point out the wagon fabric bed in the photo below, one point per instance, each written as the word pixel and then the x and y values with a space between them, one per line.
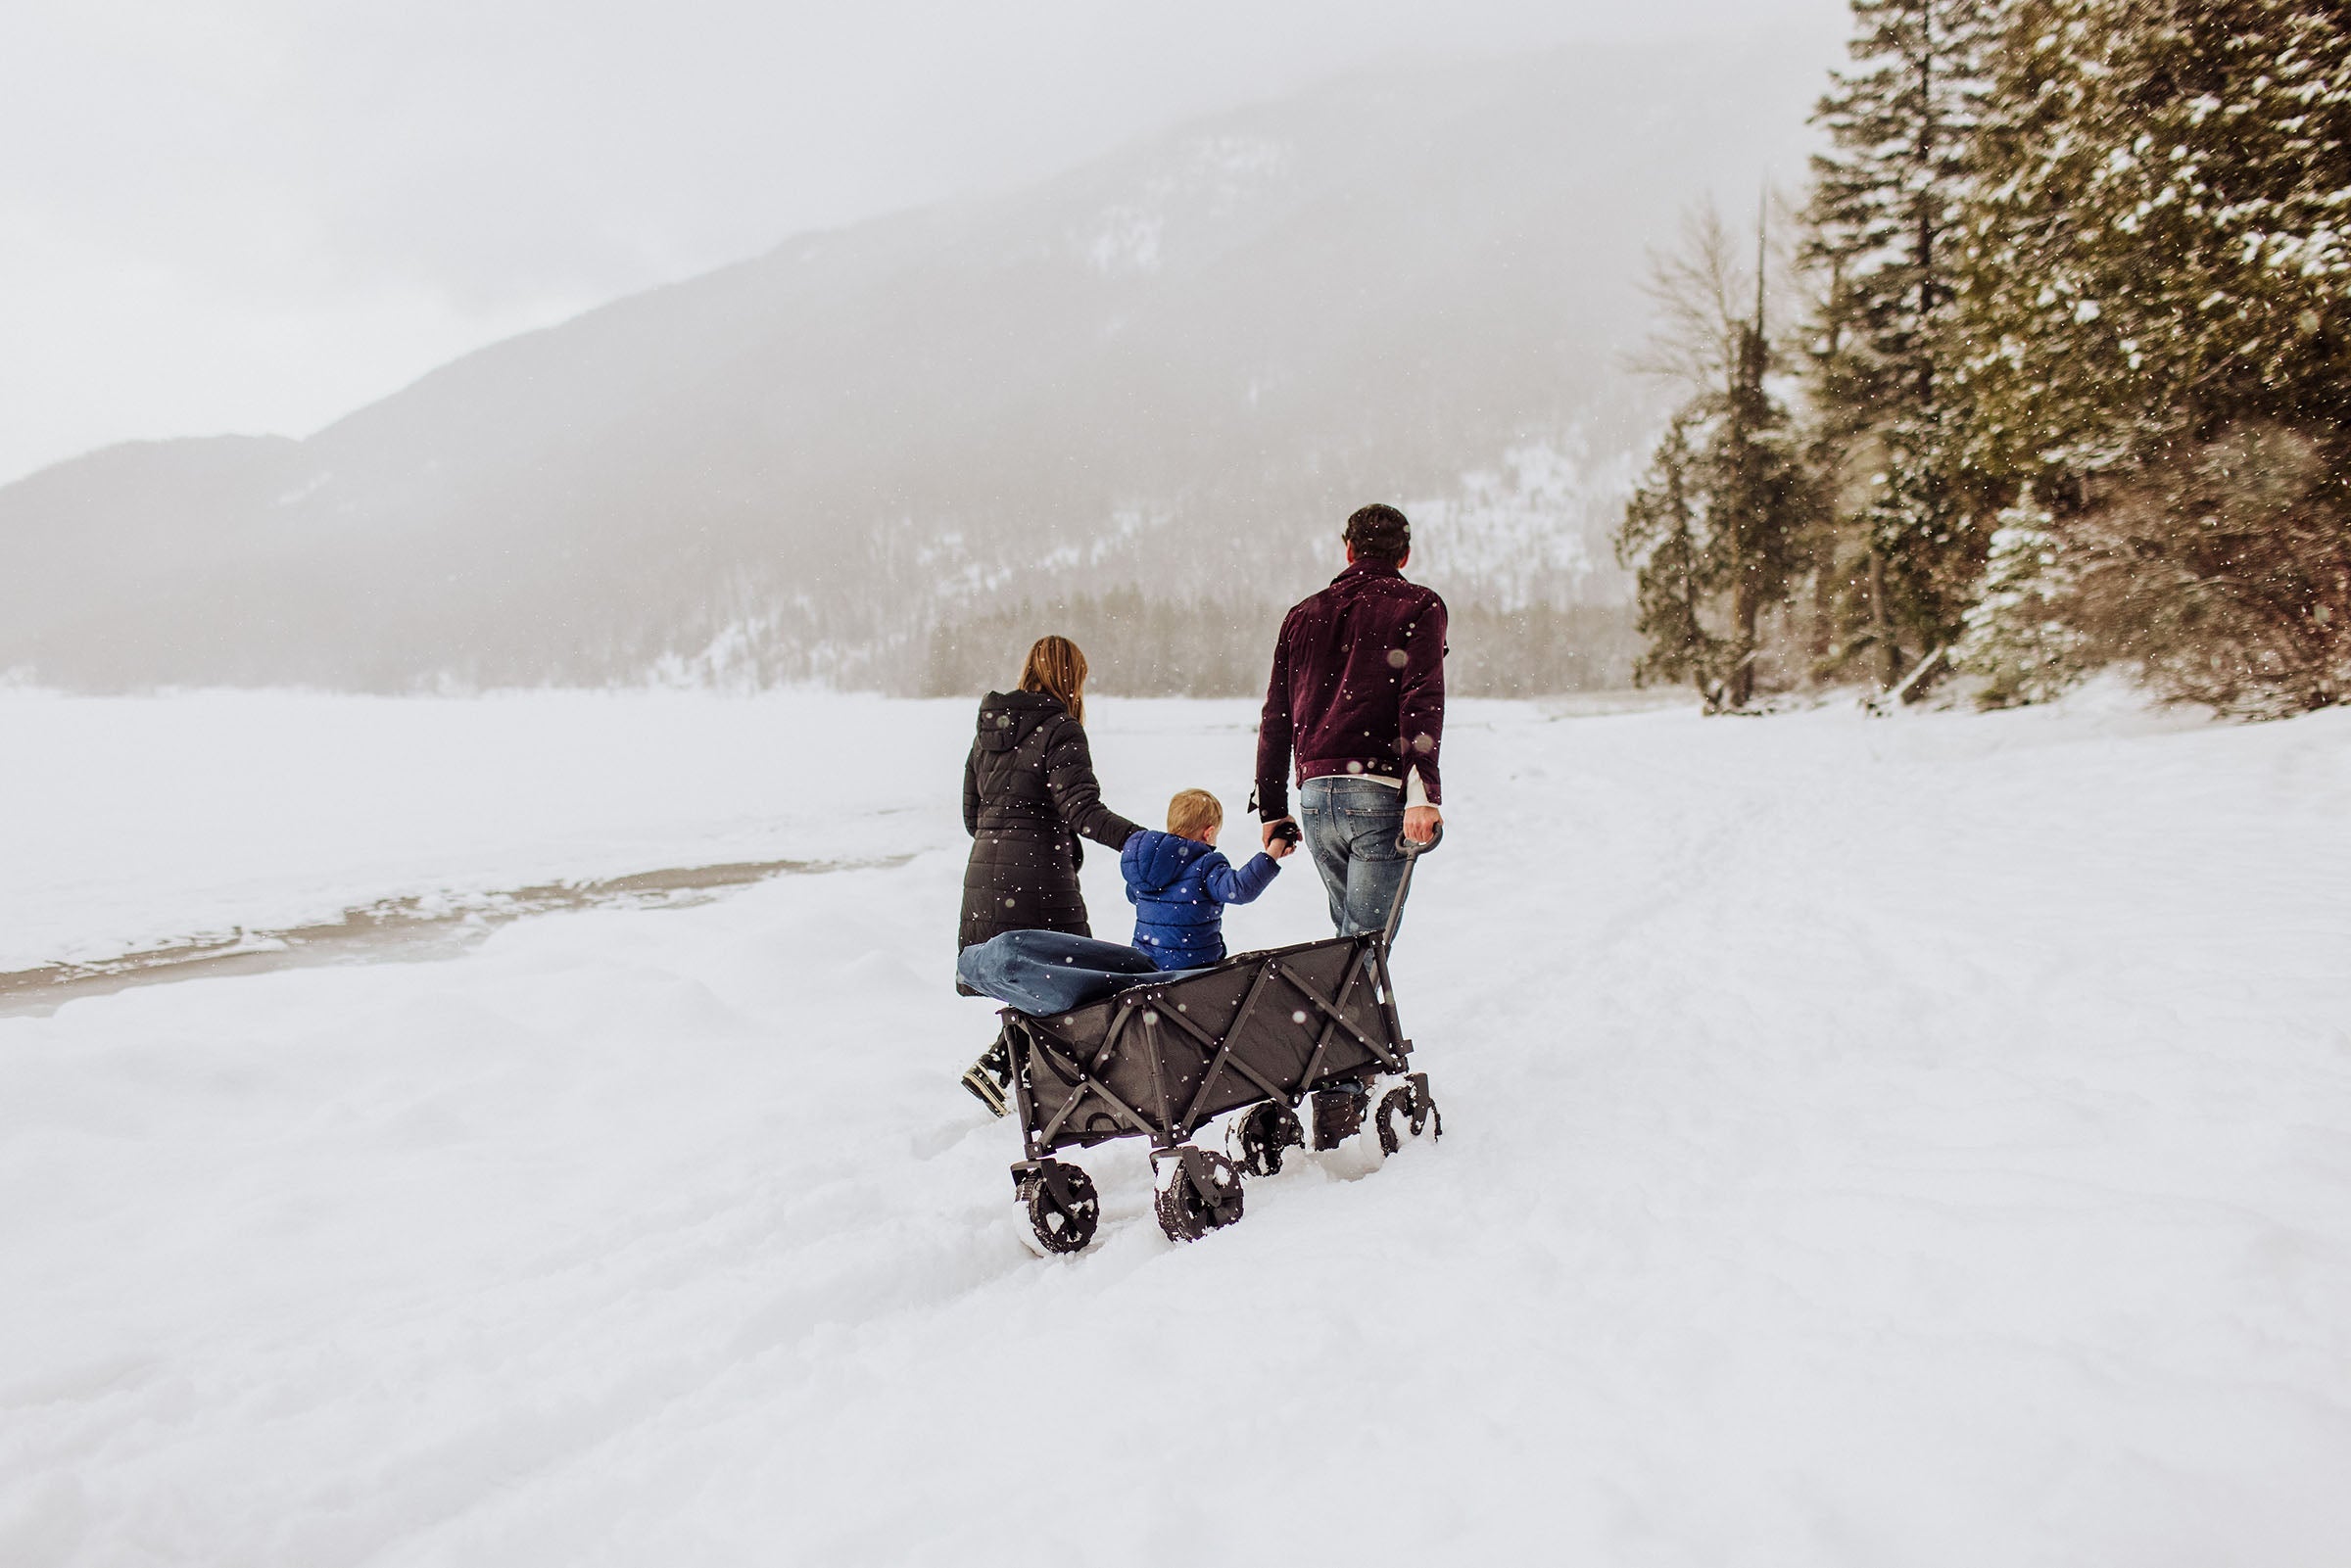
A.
pixel 1313 1025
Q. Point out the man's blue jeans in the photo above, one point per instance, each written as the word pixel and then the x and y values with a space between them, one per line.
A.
pixel 1351 827
pixel 1043 972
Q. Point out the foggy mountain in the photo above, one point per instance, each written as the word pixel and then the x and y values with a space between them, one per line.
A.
pixel 1145 393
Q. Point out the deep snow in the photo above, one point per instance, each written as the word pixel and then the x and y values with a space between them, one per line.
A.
pixel 1921 1141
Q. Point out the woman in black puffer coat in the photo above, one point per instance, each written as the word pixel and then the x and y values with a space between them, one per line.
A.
pixel 1029 795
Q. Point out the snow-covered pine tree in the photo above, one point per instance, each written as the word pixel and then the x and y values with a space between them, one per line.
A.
pixel 1761 493
pixel 2018 637
pixel 2157 259
pixel 2161 240
pixel 1888 201
pixel 1677 571
pixel 1715 532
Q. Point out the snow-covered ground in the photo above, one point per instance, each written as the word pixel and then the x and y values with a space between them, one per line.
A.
pixel 1924 1141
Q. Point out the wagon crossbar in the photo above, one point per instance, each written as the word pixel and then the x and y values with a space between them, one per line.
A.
pixel 1081 1083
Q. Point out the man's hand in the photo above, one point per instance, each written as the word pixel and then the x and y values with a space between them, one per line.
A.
pixel 1272 831
pixel 1280 848
pixel 1421 822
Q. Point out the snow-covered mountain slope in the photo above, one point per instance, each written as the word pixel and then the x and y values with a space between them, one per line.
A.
pixel 1181 366
pixel 1868 1142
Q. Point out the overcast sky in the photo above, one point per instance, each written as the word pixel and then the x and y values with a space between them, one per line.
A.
pixel 257 214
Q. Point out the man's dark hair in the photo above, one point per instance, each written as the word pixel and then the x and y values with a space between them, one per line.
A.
pixel 1379 533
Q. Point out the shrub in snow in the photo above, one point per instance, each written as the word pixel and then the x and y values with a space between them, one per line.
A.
pixel 2223 573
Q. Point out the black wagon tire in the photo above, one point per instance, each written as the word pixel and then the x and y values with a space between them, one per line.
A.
pixel 1410 1105
pixel 1185 1214
pixel 1062 1228
pixel 1339 1114
pixel 1262 1134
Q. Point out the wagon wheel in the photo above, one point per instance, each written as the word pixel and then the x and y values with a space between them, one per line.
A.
pixel 1063 1224
pixel 1261 1135
pixel 1185 1211
pixel 1409 1104
pixel 1339 1114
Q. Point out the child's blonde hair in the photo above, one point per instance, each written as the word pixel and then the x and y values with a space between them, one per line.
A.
pixel 1193 810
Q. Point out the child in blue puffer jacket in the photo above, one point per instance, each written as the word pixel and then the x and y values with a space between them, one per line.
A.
pixel 1180 883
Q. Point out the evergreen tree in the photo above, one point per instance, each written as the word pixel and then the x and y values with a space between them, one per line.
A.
pixel 1761 495
pixel 1677 569
pixel 1715 533
pixel 2162 241
pixel 1886 207
pixel 2158 253
pixel 2019 636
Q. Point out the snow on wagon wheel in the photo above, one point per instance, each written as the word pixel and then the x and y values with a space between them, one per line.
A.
pixel 1259 1138
pixel 1409 1104
pixel 1202 1194
pixel 1063 1222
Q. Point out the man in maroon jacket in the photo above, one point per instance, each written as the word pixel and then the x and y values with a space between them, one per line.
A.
pixel 1359 695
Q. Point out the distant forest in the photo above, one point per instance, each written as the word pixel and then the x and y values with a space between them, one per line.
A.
pixel 1140 646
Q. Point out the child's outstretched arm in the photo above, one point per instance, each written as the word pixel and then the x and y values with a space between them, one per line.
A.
pixel 1228 887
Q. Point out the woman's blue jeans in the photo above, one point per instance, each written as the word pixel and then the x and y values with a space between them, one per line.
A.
pixel 1351 827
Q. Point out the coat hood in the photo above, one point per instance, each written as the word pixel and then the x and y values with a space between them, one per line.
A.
pixel 1008 718
pixel 1153 862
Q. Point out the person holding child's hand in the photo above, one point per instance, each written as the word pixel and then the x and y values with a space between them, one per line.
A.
pixel 1356 712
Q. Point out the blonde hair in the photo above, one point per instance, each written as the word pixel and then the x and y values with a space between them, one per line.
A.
pixel 1056 668
pixel 1192 810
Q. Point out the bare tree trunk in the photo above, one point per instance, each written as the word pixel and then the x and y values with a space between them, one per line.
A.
pixel 1890 657
pixel 1823 635
pixel 1745 603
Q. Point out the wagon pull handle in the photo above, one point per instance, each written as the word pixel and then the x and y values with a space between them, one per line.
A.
pixel 1411 852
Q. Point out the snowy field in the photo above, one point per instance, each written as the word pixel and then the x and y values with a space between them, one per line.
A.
pixel 1920 1141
